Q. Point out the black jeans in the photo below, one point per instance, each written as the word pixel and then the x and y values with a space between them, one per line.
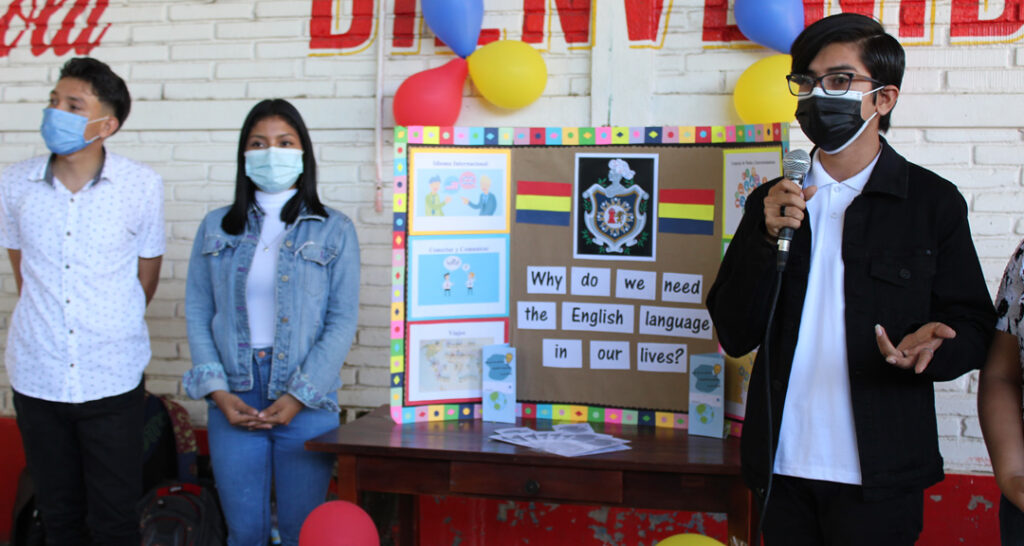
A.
pixel 815 513
pixel 86 462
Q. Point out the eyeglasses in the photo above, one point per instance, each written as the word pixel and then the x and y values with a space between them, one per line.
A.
pixel 834 84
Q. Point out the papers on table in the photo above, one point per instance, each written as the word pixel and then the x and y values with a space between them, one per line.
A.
pixel 571 440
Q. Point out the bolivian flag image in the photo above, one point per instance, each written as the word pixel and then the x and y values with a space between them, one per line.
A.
pixel 686 212
pixel 548 203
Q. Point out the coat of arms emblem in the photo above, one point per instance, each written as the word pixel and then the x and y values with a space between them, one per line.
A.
pixel 616 214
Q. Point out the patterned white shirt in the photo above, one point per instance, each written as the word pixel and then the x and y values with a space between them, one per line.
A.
pixel 77 332
pixel 1010 300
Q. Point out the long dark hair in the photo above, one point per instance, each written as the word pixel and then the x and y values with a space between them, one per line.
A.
pixel 245 191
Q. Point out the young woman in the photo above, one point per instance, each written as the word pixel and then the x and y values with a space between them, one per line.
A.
pixel 1000 400
pixel 271 303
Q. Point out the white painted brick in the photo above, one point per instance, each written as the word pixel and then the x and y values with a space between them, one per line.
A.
pixel 363 397
pixel 256 69
pixel 997 154
pixel 180 171
pixel 972 427
pixel 370 336
pixel 985 80
pixel 182 71
pixel 135 53
pixel 375 377
pixel 133 14
pixel 1000 201
pixel 205 152
pixel 261 30
pixel 162 386
pixel 348 374
pixel 199 12
pixel 936 154
pixel 172 33
pixel 978 177
pixel 990 224
pixel 922 81
pixel 143 92
pixel 282 9
pixel 949 426
pixel 205 193
pixel 211 51
pixel 955 403
pixel 958 56
pixel 956 385
pixel 290 89
pixel 973 135
pixel 27 93
pixel 281 49
pixel 981 110
pixel 174 212
pixel 996 248
pixel 204 90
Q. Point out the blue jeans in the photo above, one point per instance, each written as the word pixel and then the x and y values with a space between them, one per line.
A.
pixel 244 462
pixel 1011 523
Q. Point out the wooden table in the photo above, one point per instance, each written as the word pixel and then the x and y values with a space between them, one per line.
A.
pixel 666 469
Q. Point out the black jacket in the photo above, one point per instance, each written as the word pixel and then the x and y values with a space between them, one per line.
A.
pixel 909 259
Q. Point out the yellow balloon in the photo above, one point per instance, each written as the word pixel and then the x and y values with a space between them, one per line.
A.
pixel 688 539
pixel 762 93
pixel 508 73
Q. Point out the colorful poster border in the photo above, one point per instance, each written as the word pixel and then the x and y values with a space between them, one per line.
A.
pixel 534 136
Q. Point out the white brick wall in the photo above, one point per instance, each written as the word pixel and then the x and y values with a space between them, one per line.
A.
pixel 196 67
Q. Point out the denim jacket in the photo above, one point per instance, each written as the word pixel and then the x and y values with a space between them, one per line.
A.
pixel 317 303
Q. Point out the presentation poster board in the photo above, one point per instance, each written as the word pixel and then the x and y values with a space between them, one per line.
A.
pixel 590 249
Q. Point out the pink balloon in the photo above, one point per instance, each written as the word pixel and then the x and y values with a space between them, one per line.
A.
pixel 432 97
pixel 338 523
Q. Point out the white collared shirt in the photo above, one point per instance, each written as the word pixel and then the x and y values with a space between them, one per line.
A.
pixel 77 332
pixel 817 440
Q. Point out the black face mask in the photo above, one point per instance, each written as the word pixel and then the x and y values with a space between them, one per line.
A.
pixel 832 123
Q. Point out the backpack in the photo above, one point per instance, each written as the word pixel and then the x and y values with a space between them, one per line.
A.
pixel 181 514
pixel 181 508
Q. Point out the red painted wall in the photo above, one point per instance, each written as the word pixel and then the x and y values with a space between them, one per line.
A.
pixel 961 510
pixel 12 460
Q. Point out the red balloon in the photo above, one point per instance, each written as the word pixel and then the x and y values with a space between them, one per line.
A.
pixel 338 523
pixel 432 97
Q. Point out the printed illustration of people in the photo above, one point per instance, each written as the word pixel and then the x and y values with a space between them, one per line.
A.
pixel 447 285
pixel 469 282
pixel 435 205
pixel 486 203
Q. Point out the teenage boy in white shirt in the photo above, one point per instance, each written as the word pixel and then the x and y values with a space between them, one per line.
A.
pixel 85 234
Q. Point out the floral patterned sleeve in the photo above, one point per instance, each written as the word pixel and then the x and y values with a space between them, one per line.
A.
pixel 1009 310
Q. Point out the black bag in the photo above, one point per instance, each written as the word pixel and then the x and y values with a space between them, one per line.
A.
pixel 27 526
pixel 181 514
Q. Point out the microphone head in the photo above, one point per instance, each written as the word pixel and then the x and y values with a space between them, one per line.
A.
pixel 795 165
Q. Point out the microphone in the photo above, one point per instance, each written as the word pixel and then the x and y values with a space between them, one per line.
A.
pixel 795 165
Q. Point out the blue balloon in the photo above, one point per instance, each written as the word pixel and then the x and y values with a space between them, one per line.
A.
pixel 771 23
pixel 456 22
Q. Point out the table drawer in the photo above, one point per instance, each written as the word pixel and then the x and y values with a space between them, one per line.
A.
pixel 550 483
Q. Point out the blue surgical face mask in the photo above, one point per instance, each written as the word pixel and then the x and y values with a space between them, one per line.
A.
pixel 64 132
pixel 273 170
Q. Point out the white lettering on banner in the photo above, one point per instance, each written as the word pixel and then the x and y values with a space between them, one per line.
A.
pixel 591 281
pixel 609 355
pixel 562 353
pixel 681 287
pixel 637 285
pixel 537 315
pixel 545 280
pixel 675 322
pixel 597 317
pixel 661 357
